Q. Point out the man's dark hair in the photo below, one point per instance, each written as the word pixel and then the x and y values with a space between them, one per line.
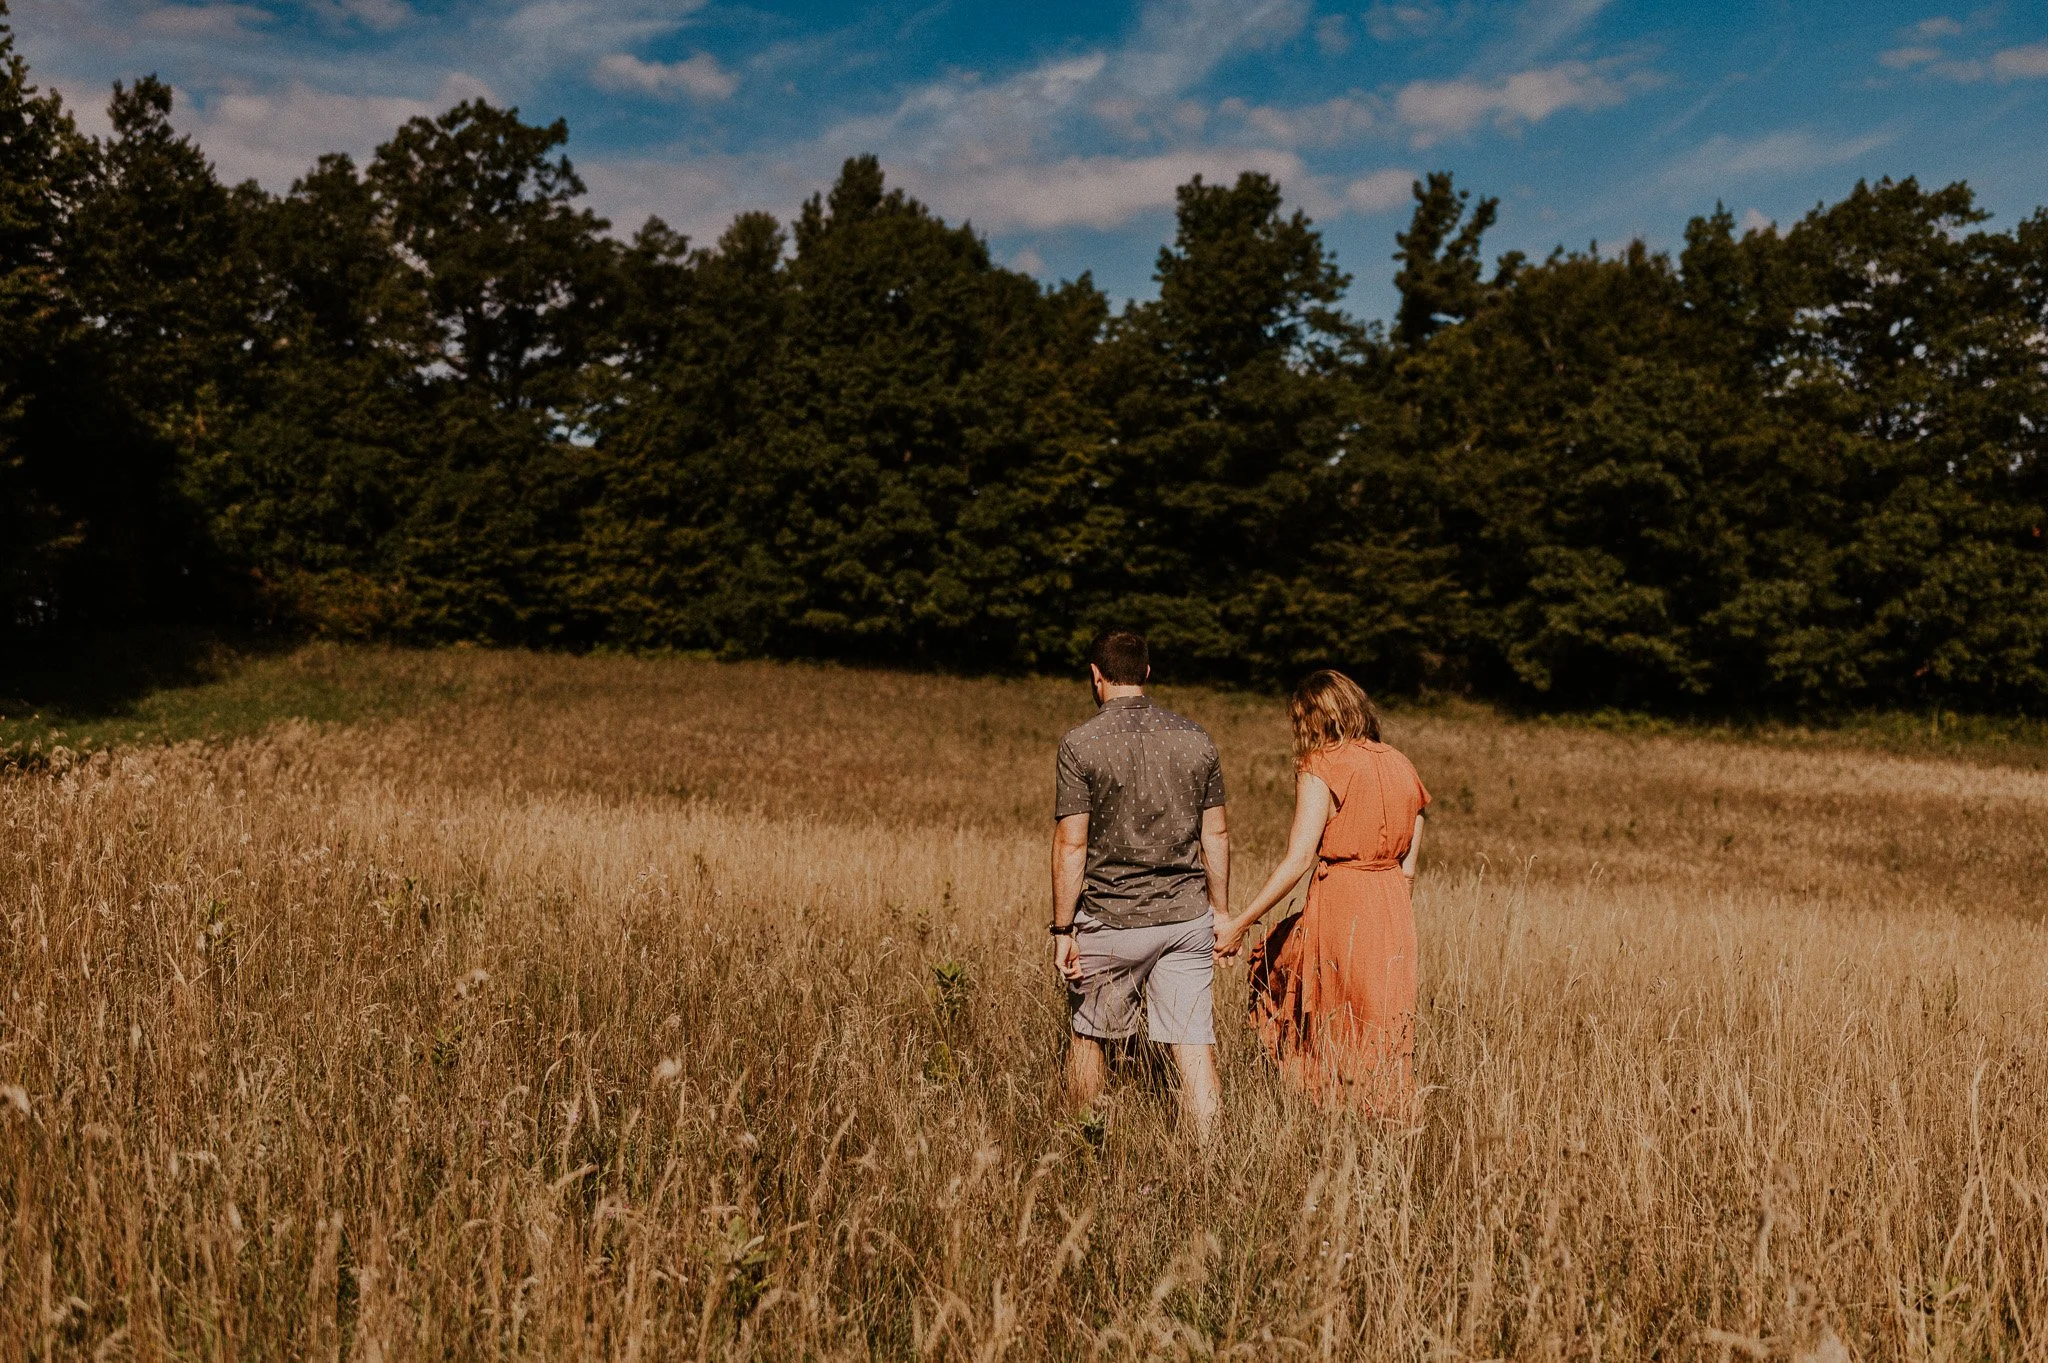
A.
pixel 1122 656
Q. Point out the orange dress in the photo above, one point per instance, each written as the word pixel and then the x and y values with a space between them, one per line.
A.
pixel 1333 987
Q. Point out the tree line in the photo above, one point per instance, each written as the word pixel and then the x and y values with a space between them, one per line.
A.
pixel 433 398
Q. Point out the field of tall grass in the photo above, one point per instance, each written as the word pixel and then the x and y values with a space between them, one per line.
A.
pixel 664 1009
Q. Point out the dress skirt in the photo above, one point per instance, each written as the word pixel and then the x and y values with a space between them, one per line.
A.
pixel 1333 989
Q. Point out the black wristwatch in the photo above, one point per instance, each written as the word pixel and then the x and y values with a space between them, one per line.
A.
pixel 1058 931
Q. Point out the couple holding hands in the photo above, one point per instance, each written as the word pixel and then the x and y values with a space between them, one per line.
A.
pixel 1141 895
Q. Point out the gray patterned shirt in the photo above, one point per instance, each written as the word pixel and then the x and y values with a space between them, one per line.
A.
pixel 1143 776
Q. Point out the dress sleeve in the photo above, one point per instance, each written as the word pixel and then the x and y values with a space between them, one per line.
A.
pixel 1421 791
pixel 1331 773
pixel 1072 793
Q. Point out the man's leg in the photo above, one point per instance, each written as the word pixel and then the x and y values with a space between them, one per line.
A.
pixel 1201 1094
pixel 1087 1072
pixel 1102 1003
pixel 1181 1012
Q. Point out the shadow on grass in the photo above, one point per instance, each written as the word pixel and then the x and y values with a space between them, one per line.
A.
pixel 86 692
pixel 102 675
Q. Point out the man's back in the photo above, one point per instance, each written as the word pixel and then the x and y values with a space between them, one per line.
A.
pixel 1143 775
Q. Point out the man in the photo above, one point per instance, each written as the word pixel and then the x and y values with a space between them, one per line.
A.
pixel 1140 880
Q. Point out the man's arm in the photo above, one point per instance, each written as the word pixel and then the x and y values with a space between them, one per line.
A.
pixel 1069 870
pixel 1216 863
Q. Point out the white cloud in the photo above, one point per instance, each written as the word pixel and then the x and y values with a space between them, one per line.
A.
pixel 275 137
pixel 1332 123
pixel 1940 26
pixel 378 15
pixel 1722 160
pixel 698 76
pixel 1435 110
pixel 224 21
pixel 1138 91
pixel 1085 191
pixel 967 129
pixel 701 197
pixel 1543 24
pixel 1002 153
pixel 544 36
pixel 1180 41
pixel 85 102
pixel 2026 62
pixel 2021 63
pixel 698 197
pixel 1753 220
pixel 1028 261
pixel 1380 191
pixel 1333 35
pixel 997 152
pixel 1390 23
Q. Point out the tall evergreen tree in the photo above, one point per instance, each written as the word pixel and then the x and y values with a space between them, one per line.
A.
pixel 895 414
pixel 311 487
pixel 1440 276
pixel 150 353
pixel 665 552
pixel 44 166
pixel 1898 515
pixel 1228 412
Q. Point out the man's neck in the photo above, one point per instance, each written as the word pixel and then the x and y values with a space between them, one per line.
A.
pixel 1110 693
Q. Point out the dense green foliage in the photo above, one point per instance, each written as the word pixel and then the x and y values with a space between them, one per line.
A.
pixel 432 398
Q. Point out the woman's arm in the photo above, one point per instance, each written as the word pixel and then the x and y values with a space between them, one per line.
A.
pixel 1311 812
pixel 1414 850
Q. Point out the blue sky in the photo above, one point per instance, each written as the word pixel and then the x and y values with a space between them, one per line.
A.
pixel 1060 128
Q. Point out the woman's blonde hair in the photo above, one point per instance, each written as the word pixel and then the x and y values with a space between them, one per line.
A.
pixel 1329 709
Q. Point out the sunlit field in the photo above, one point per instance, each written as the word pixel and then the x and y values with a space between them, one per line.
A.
pixel 662 1009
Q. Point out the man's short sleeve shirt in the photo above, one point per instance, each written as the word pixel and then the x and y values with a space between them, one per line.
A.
pixel 1143 775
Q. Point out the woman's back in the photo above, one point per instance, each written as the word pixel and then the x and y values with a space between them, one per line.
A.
pixel 1375 795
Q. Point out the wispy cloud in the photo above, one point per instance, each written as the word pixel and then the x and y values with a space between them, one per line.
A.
pixel 1393 22
pixel 1723 161
pixel 204 21
pixel 698 76
pixel 1087 191
pixel 544 36
pixel 274 136
pixel 2021 63
pixel 1435 110
pixel 1937 26
pixel 1906 58
pixel 1380 191
pixel 1332 123
pixel 378 16
pixel 1013 154
pixel 1541 26
pixel 999 152
pixel 701 196
pixel 1922 51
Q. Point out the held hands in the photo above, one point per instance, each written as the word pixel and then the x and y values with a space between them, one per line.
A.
pixel 1229 933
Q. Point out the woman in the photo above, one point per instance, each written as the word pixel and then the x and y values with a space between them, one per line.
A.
pixel 1333 988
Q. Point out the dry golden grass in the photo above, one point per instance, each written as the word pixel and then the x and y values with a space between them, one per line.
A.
pixel 666 1010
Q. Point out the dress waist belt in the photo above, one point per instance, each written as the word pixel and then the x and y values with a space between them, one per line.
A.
pixel 1323 868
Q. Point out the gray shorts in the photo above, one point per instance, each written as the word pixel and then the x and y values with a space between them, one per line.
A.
pixel 1171 965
